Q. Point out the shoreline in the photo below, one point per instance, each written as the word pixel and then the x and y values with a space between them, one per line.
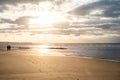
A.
pixel 83 57
pixel 110 60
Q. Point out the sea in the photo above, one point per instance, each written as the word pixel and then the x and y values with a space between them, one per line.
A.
pixel 102 51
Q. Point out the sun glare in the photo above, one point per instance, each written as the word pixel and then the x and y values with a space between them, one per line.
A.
pixel 46 18
pixel 46 15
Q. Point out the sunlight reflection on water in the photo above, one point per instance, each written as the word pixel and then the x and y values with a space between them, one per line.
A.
pixel 43 50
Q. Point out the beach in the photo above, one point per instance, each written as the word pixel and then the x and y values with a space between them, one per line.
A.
pixel 19 65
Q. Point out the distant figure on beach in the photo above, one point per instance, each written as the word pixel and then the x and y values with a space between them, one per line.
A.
pixel 8 47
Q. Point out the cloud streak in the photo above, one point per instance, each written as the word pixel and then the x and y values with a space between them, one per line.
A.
pixel 21 21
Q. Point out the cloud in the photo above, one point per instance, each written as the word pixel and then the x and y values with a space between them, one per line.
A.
pixel 15 2
pixel 110 8
pixel 21 21
pixel 6 21
pixel 102 14
pixel 2 8
pixel 15 26
pixel 91 27
pixel 99 18
pixel 4 3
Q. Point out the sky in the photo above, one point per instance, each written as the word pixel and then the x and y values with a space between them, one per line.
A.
pixel 60 21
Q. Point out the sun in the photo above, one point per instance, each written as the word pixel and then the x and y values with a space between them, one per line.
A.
pixel 46 15
pixel 46 18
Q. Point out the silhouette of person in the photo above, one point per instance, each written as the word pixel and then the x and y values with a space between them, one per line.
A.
pixel 8 47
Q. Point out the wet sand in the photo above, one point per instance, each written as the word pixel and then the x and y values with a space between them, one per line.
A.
pixel 19 65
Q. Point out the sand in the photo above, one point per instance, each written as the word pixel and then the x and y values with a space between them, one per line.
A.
pixel 19 65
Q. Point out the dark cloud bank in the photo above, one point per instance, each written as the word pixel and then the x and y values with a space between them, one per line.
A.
pixel 111 8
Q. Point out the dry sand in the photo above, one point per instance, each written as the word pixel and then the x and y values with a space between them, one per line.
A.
pixel 14 65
